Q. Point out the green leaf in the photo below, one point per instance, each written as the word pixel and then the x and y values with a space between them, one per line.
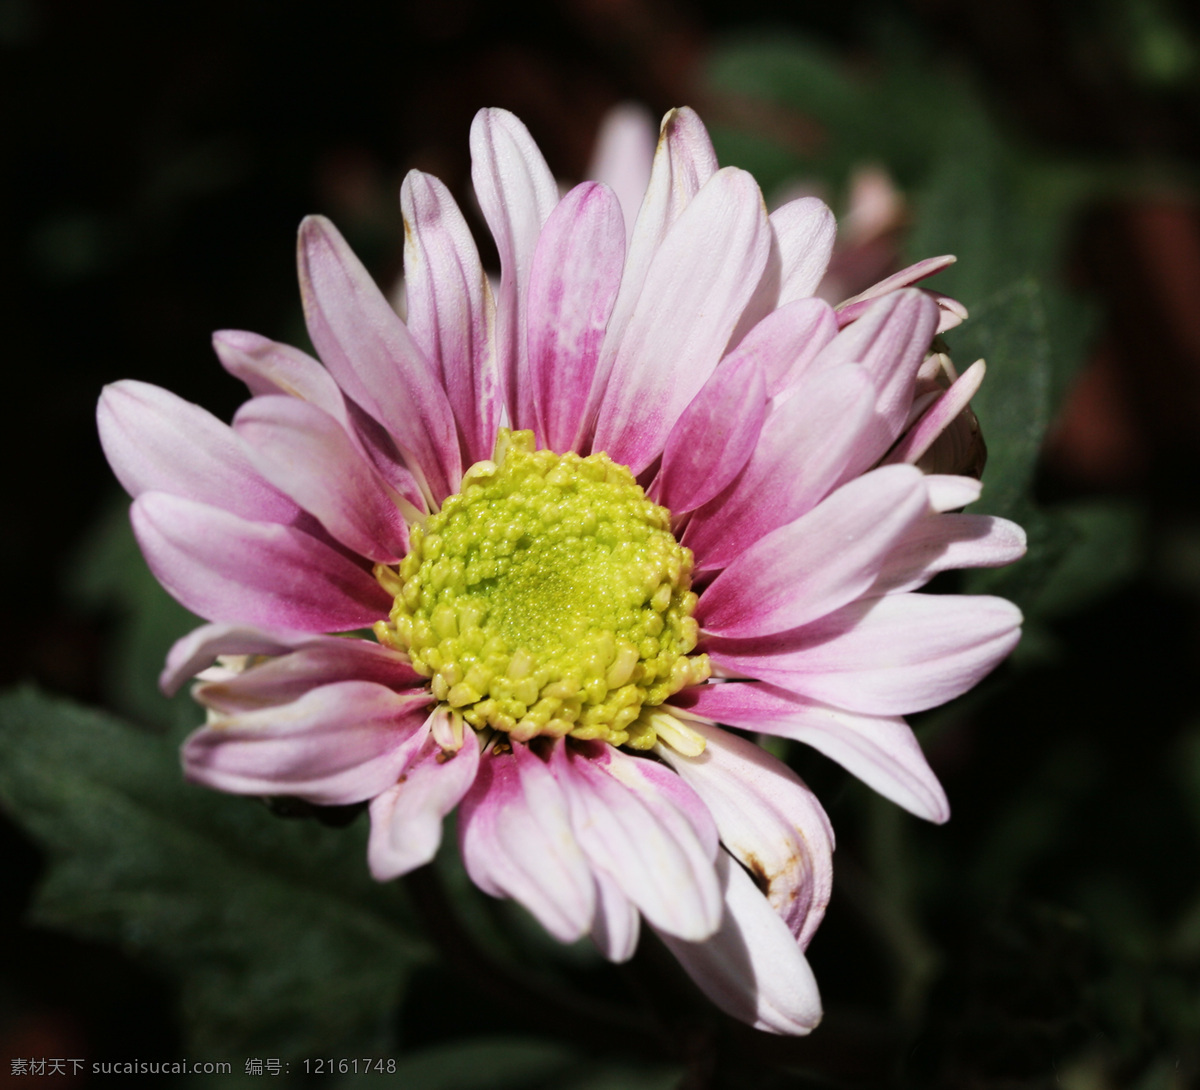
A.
pixel 108 573
pixel 283 944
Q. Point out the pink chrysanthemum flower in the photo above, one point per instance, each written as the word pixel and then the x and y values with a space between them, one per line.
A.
pixel 652 487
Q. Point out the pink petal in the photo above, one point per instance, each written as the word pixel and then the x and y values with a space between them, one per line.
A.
pixel 652 854
pixel 157 442
pixel 623 155
pixel 289 674
pixel 890 340
pixel 695 289
pixel 768 819
pixel 940 415
pixel 883 752
pixel 199 648
pixel 270 368
pixel 227 568
pixel 374 359
pixel 615 928
pixel 802 233
pixel 944 542
pixel 336 745
pixel 819 562
pixel 306 453
pixel 852 309
pixel 450 310
pixel 786 341
pixel 805 230
pixel 801 455
pixel 884 656
pixel 752 968
pixel 714 437
pixel 406 819
pixel 516 194
pixel 573 283
pixel 683 162
pixel 948 492
pixel 516 841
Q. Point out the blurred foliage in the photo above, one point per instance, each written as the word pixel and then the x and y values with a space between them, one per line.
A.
pixel 279 938
pixel 1050 935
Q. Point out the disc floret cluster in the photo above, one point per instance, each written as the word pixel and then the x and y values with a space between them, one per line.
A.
pixel 548 596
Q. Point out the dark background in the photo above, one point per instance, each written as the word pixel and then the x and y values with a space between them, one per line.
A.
pixel 157 161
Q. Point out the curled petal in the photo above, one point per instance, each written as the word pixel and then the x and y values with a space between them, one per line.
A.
pixel 752 967
pixel 406 819
pixel 939 416
pixel 323 660
pixel 516 840
pixel 945 542
pixel 851 309
pixel 199 649
pixel 338 744
pixel 768 819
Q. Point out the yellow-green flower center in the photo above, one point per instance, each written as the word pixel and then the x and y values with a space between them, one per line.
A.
pixel 548 597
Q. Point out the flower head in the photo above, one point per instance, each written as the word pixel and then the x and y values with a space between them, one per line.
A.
pixel 648 488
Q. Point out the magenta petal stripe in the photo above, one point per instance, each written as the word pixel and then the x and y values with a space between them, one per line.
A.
pixel 786 341
pixel 714 437
pixel 371 354
pixel 572 286
pixel 450 310
pixel 222 567
pixel 893 655
pixel 338 744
